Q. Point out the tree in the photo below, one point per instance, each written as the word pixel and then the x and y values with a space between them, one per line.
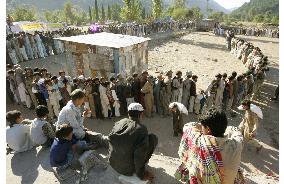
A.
pixel 90 14
pixel 197 15
pixel 275 20
pixel 103 13
pixel 69 13
pixel 116 9
pixel 131 10
pixel 179 3
pixel 54 16
pixel 217 16
pixel 143 13
pixel 179 13
pixel 24 14
pixel 108 12
pixel 157 8
pixel 258 18
pixel 97 10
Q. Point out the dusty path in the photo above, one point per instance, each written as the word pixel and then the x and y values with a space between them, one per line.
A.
pixel 195 52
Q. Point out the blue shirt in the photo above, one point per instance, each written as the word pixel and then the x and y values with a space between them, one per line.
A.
pixel 59 151
pixel 44 91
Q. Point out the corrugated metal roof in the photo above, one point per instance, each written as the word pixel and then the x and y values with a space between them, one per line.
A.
pixel 106 40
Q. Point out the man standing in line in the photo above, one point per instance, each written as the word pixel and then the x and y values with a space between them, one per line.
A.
pixel 212 90
pixel 186 89
pixel 192 93
pixel 176 86
pixel 168 91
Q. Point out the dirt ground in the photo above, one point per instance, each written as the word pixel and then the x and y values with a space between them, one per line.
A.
pixel 188 51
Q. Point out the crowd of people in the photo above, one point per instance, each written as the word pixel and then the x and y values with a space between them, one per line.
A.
pixel 107 98
pixel 69 101
pixel 147 28
pixel 248 31
pixel 260 32
pixel 25 46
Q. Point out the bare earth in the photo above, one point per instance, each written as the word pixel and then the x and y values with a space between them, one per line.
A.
pixel 188 51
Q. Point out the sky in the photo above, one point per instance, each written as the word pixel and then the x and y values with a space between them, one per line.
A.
pixel 231 3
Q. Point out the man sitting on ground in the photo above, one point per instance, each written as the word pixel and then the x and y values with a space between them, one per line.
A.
pixel 18 133
pixel 130 144
pixel 42 132
pixel 72 115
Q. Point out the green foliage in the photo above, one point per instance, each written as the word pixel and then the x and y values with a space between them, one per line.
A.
pixel 258 18
pixel 103 13
pixel 143 13
pixel 260 11
pixel 157 8
pixel 108 12
pixel 97 10
pixel 184 13
pixel 54 16
pixel 275 20
pixel 179 4
pixel 90 14
pixel 197 14
pixel 131 10
pixel 24 14
pixel 115 14
pixel 74 15
pixel 179 13
pixel 217 16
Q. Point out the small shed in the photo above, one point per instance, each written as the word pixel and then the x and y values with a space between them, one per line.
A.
pixel 105 54
pixel 205 24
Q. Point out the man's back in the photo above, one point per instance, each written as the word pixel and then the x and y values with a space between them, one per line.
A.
pixel 125 137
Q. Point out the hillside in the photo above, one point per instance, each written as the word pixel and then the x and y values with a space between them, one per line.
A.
pixel 84 4
pixel 257 7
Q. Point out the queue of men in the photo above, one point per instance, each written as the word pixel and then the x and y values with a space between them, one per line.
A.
pixel 147 28
pixel 24 46
pixel 260 32
pixel 271 32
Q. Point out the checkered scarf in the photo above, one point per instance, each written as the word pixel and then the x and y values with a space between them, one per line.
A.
pixel 202 157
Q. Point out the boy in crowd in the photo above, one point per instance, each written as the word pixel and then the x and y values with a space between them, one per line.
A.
pixel 42 132
pixel 18 133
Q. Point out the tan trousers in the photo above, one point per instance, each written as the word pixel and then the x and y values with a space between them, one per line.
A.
pixel 210 101
pixel 191 103
pixel 50 109
pixel 55 106
pixel 149 102
pixel 197 106
pixel 92 105
pixel 33 97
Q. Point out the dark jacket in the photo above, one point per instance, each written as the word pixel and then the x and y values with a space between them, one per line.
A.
pixel 193 89
pixel 59 151
pixel 129 144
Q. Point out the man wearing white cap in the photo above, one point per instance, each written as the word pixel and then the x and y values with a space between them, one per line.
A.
pixel 131 146
pixel 249 125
